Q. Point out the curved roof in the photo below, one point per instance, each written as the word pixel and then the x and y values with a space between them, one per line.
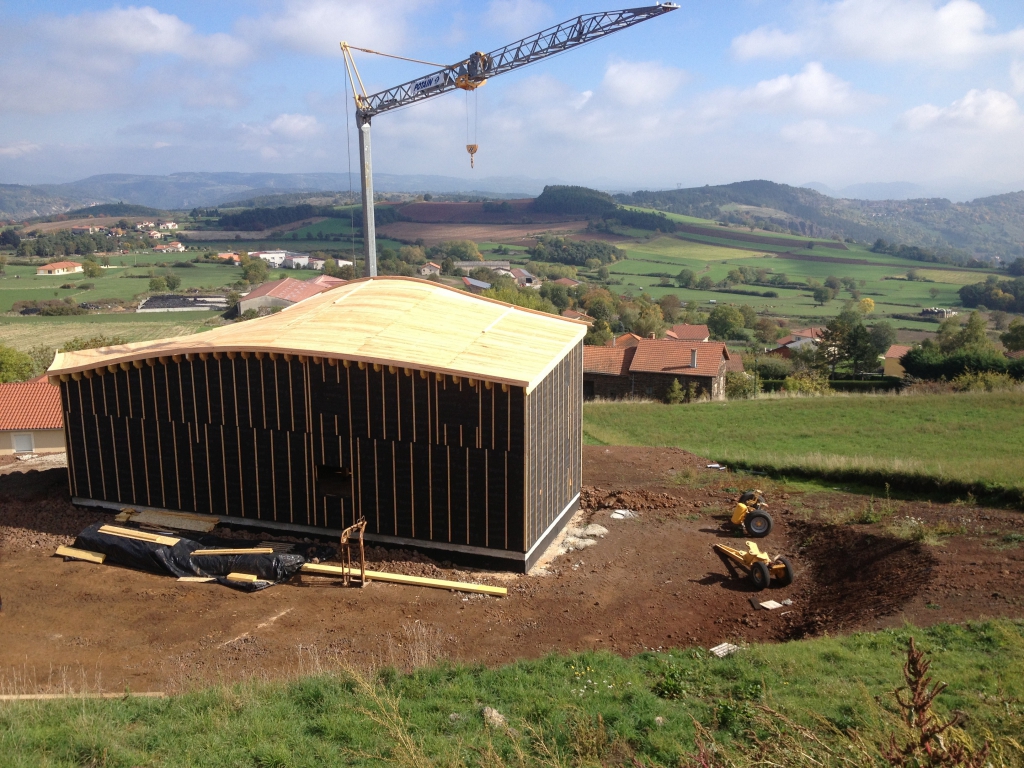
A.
pixel 398 321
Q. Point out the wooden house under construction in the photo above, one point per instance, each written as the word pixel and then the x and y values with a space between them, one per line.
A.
pixel 451 422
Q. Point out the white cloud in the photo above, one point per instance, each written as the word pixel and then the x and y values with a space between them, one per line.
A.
pixel 97 60
pixel 948 34
pixel 634 83
pixel 987 110
pixel 19 149
pixel 296 126
pixel 517 17
pixel 766 42
pixel 318 26
pixel 140 32
pixel 1017 76
pixel 822 133
pixel 812 91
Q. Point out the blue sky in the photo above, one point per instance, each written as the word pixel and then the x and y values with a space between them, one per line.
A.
pixel 835 91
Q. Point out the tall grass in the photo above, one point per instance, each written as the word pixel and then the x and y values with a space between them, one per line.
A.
pixel 956 443
pixel 822 702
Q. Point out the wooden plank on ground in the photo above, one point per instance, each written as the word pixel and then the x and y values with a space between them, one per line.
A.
pixel 197 579
pixel 250 551
pixel 401 578
pixel 178 520
pixel 131 533
pixel 81 554
pixel 54 696
pixel 247 577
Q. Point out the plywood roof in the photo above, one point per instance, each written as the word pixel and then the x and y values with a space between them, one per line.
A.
pixel 389 320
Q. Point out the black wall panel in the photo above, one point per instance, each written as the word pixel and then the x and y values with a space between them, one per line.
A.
pixel 429 457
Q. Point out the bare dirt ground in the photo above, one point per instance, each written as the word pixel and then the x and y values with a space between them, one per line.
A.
pixel 651 582
pixel 511 234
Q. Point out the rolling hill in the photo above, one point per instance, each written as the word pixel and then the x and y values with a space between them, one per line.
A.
pixel 988 228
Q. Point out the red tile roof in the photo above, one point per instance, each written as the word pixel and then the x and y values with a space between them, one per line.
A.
pixel 288 289
pixel 60 265
pixel 573 314
pixel 668 356
pixel 332 282
pixel 735 364
pixel 685 332
pixel 1015 355
pixel 613 362
pixel 30 405
pixel 803 333
pixel 897 351
pixel 625 340
pixel 567 281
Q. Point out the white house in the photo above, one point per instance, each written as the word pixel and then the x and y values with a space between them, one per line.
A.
pixel 59 268
pixel 168 225
pixel 430 268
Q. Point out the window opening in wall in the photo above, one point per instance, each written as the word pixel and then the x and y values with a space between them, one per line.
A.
pixel 334 481
pixel 23 443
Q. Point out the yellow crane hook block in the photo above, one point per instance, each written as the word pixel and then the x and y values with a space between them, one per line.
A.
pixel 472 148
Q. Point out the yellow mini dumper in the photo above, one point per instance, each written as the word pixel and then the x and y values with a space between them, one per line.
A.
pixel 759 565
pixel 750 515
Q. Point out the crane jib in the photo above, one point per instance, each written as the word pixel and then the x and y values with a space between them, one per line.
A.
pixel 562 37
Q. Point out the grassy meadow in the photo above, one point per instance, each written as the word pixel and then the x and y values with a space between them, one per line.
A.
pixel 971 440
pixel 802 701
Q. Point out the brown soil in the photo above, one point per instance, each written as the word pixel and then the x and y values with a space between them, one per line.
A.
pixel 511 234
pixel 517 212
pixel 652 581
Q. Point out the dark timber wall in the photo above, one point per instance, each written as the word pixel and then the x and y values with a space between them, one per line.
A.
pixel 467 467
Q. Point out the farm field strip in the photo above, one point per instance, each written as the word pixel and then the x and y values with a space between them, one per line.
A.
pixel 26 333
pixel 966 438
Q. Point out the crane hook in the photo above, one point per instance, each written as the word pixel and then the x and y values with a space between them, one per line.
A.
pixel 472 148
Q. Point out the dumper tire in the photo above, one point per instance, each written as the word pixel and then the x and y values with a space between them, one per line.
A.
pixel 758 524
pixel 787 576
pixel 760 575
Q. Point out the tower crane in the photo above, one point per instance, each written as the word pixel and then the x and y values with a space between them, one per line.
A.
pixel 468 75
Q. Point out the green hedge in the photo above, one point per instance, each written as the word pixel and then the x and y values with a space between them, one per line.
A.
pixel 932 364
pixel 870 385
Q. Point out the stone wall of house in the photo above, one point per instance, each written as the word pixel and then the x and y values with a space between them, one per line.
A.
pixel 649 386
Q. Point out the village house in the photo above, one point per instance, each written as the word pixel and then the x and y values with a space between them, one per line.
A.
pixel 172 247
pixel 685 332
pixel 167 225
pixel 523 278
pixel 475 286
pixel 430 268
pixel 31 418
pixel 281 293
pixel 796 340
pixel 647 369
pixel 891 364
pixel 59 268
pixel 568 282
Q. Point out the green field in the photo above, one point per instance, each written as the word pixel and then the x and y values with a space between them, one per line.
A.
pixel 25 333
pixel 670 254
pixel 589 709
pixel 916 442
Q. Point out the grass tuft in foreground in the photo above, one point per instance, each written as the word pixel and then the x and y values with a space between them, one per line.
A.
pixel 824 702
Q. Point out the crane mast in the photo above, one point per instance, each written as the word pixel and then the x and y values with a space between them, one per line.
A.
pixel 468 75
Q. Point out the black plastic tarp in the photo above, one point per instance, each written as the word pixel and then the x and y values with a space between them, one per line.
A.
pixel 178 561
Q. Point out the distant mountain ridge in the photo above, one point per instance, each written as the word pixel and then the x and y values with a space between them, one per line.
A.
pixel 989 227
pixel 188 190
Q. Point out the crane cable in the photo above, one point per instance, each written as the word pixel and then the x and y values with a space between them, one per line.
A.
pixel 351 193
pixel 471 140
